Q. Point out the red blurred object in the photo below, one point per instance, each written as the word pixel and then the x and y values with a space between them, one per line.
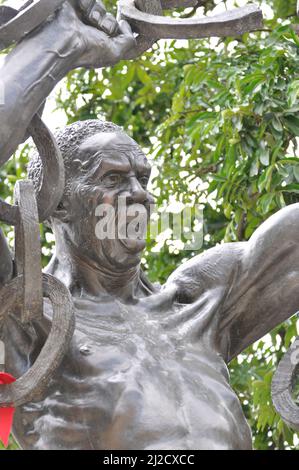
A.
pixel 6 414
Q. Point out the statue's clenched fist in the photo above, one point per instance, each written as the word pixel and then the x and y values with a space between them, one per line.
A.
pixel 95 13
pixel 103 40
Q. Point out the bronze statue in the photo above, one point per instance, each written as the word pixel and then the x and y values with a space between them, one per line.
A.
pixel 147 365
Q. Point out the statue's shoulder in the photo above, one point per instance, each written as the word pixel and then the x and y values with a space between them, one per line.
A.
pixel 211 269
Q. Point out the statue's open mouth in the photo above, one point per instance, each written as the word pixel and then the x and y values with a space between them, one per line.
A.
pixel 133 245
pixel 132 232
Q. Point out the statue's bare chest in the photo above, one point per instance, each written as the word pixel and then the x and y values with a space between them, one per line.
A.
pixel 128 383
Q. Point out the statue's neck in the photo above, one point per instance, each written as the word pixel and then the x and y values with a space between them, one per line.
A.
pixel 87 278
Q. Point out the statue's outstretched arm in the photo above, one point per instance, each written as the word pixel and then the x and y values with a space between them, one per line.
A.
pixel 42 59
pixel 266 287
pixel 246 289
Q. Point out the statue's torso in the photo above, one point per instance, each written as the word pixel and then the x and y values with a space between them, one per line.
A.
pixel 128 382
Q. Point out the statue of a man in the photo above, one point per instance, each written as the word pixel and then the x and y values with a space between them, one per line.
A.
pixel 147 366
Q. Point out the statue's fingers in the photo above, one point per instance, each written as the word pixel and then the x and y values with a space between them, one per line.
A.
pixel 108 24
pixel 95 14
pixel 125 28
pixel 123 43
pixel 126 39
pixel 87 6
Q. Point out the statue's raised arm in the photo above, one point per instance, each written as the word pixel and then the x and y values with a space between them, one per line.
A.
pixel 73 37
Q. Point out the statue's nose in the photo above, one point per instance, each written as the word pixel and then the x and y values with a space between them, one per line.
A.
pixel 137 193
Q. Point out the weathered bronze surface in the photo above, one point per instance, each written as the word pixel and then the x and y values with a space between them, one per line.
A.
pixel 283 385
pixel 146 367
pixel 29 18
pixel 232 23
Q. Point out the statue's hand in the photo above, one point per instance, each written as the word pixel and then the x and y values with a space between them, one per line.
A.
pixel 104 41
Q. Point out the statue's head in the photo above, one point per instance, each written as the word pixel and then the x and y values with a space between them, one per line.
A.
pixel 104 169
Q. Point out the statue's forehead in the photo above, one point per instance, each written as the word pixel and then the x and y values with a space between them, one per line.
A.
pixel 125 155
pixel 114 149
pixel 108 141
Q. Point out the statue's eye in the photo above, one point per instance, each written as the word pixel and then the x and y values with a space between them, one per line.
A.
pixel 143 180
pixel 112 180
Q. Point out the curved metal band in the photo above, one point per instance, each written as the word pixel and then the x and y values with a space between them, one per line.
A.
pixel 283 385
pixel 51 188
pixel 231 23
pixel 28 252
pixel 33 382
pixel 26 21
pixel 171 4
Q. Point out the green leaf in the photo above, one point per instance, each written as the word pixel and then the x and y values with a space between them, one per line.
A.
pixel 290 188
pixel 292 123
pixel 296 172
pixel 276 123
pixel 265 202
pixel 264 156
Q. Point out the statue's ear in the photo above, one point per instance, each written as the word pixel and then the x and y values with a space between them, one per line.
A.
pixel 62 212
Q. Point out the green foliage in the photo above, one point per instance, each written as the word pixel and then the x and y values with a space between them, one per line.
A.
pixel 12 445
pixel 220 121
pixel 284 9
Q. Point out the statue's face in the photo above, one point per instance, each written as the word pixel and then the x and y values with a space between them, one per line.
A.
pixel 112 173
